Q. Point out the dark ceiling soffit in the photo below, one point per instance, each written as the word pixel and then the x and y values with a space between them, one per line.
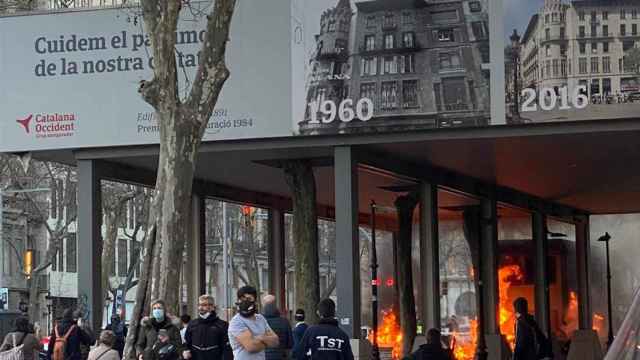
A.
pixel 457 182
pixel 492 131
pixel 315 162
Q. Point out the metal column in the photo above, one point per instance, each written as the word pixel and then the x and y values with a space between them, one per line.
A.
pixel 429 256
pixel 277 269
pixel 196 267
pixel 541 243
pixel 89 240
pixel 347 240
pixel 583 260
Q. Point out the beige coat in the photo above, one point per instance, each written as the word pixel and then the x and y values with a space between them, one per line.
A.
pixel 109 353
pixel 31 344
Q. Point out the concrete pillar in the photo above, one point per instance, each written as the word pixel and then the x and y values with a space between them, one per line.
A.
pixel 195 268
pixel 277 268
pixel 347 240
pixel 429 256
pixel 495 343
pixel 89 240
pixel 543 306
pixel 585 344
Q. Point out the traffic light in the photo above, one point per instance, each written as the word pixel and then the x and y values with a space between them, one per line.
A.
pixel 27 260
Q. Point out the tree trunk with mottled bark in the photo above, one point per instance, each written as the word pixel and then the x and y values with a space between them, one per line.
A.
pixel 301 180
pixel 405 206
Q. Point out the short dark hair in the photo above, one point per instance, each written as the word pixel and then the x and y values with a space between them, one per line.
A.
pixel 433 336
pixel 300 315
pixel 22 324
pixel 327 308
pixel 247 290
pixel 185 318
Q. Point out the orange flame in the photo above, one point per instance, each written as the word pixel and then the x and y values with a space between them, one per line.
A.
pixel 570 320
pixel 598 323
pixel 506 276
pixel 389 333
pixel 466 350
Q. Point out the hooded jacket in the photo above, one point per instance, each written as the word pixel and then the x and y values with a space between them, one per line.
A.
pixel 280 327
pixel 325 341
pixel 149 335
pixel 207 339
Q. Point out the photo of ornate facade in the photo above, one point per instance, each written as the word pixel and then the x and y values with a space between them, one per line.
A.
pixel 423 64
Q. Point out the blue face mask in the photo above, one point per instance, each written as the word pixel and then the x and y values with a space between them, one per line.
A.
pixel 158 314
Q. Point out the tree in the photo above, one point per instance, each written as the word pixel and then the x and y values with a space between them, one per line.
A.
pixel 405 206
pixel 182 123
pixel 301 181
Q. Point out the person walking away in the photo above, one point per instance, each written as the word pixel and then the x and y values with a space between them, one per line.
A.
pixel 432 350
pixel 280 326
pixel 531 343
pixel 150 326
pixel 78 317
pixel 120 332
pixel 23 334
pixel 300 328
pixel 249 332
pixel 326 340
pixel 67 338
pixel 105 349
pixel 206 336
pixel 163 349
pixel 184 322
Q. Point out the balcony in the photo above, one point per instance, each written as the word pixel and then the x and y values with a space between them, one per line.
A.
pixel 398 48
pixel 332 53
pixel 388 25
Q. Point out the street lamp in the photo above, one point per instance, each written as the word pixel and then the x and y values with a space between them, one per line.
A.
pixel 605 238
pixel 515 53
pixel 374 283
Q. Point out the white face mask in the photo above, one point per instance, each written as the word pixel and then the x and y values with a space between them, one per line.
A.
pixel 204 316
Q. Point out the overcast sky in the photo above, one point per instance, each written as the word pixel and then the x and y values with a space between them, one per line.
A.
pixel 518 13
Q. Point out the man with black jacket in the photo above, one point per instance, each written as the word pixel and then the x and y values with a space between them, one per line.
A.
pixel 280 326
pixel 531 343
pixel 326 340
pixel 206 337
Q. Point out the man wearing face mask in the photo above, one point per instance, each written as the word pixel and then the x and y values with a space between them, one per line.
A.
pixel 249 332
pixel 206 336
pixel 150 328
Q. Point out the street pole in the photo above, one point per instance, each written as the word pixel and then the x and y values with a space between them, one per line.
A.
pixel 225 260
pixel 374 283
pixel 605 238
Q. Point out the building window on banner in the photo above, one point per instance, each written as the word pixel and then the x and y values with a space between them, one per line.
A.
pixel 582 65
pixel 406 64
pixel 410 93
pixel 369 66
pixel 606 64
pixel 390 65
pixel 370 42
pixel 445 35
pixel 389 96
pixel 368 91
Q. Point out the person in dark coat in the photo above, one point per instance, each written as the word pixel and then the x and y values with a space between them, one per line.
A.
pixel 300 328
pixel 525 348
pixel 280 326
pixel 432 350
pixel 150 326
pixel 120 331
pixel 23 334
pixel 163 348
pixel 325 341
pixel 77 337
pixel 206 336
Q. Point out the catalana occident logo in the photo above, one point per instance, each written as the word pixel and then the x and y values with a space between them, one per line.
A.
pixel 51 125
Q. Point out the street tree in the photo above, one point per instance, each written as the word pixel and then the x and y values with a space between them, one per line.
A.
pixel 182 122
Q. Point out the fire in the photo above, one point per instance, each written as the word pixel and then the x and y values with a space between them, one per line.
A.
pixel 506 276
pixel 598 323
pixel 389 334
pixel 570 321
pixel 466 350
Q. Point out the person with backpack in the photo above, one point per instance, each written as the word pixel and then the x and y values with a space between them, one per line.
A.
pixel 325 341
pixel 105 350
pixel 432 350
pixel 66 339
pixel 150 326
pixel 530 342
pixel 206 337
pixel 23 334
pixel 119 331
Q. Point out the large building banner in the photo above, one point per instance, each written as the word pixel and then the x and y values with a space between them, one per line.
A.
pixel 571 60
pixel 381 65
pixel 70 79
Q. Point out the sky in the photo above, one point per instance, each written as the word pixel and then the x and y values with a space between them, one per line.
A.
pixel 518 13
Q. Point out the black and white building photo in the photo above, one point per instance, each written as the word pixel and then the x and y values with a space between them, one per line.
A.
pixel 385 65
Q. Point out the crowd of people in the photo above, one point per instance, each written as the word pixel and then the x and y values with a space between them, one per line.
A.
pixel 249 335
